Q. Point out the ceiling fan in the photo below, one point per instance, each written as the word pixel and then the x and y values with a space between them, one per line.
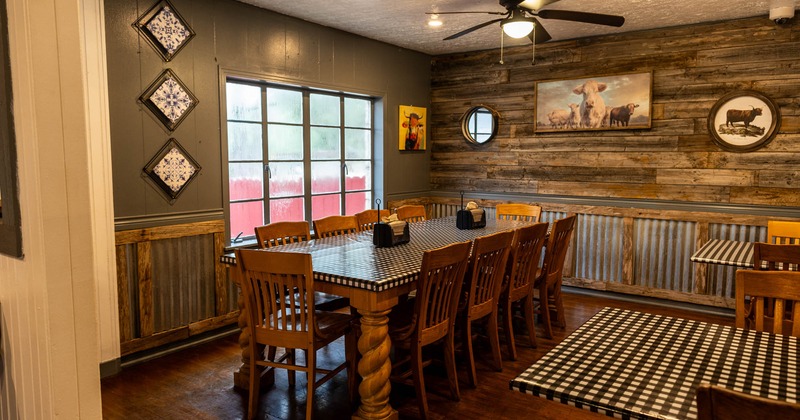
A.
pixel 520 19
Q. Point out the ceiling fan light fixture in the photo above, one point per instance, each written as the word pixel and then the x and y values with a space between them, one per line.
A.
pixel 518 25
pixel 434 21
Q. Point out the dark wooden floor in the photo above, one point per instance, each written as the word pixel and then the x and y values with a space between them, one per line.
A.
pixel 197 383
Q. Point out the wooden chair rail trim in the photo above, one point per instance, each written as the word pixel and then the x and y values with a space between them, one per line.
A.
pixel 612 211
pixel 169 232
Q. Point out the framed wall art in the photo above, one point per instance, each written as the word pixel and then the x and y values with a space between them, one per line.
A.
pixel 743 121
pixel 169 100
pixel 164 29
pixel 412 127
pixel 619 102
pixel 172 169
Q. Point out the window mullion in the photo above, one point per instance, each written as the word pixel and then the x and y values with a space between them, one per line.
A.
pixel 342 154
pixel 307 155
pixel 265 154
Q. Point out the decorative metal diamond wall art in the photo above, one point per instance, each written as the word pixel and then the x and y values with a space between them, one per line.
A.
pixel 171 169
pixel 169 99
pixel 164 29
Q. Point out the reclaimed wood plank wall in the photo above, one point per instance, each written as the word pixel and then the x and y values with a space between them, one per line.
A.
pixel 692 67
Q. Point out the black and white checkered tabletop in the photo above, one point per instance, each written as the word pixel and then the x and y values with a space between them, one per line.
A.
pixel 721 251
pixel 353 260
pixel 629 364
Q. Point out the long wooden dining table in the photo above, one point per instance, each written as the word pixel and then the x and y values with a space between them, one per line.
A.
pixel 374 279
pixel 630 364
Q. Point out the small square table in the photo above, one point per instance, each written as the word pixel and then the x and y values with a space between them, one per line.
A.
pixel 629 364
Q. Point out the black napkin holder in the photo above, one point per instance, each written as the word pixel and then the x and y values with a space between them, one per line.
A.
pixel 383 235
pixel 464 220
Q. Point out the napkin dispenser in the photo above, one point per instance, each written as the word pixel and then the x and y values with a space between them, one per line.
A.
pixel 470 217
pixel 383 235
pixel 387 232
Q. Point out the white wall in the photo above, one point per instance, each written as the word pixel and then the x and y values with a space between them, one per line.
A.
pixel 49 314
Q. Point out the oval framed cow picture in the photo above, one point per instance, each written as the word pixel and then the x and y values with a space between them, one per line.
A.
pixel 743 121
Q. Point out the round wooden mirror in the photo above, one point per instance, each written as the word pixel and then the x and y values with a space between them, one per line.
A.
pixel 479 124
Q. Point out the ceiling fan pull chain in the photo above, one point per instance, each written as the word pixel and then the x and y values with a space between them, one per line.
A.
pixel 501 45
pixel 533 45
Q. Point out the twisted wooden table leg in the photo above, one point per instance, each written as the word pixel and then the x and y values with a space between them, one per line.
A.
pixel 374 367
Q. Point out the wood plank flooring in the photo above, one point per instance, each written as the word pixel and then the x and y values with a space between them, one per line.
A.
pixel 197 383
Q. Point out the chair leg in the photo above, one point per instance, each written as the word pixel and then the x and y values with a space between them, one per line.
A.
pixel 508 318
pixel 293 361
pixel 528 314
pixel 311 364
pixel 419 381
pixel 351 353
pixel 467 330
pixel 494 341
pixel 559 306
pixel 450 365
pixel 253 387
pixel 544 310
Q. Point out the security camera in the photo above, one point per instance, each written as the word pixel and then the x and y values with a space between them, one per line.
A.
pixel 781 11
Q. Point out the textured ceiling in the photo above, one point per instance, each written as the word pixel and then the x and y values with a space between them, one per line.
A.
pixel 404 22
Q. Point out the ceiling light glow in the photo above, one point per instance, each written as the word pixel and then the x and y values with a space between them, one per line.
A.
pixel 518 29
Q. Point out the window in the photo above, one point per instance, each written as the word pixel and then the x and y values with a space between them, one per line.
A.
pixel 296 154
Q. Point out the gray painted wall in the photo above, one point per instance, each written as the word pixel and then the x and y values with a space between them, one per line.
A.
pixel 236 37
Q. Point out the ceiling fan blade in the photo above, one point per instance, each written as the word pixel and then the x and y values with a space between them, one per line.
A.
pixel 474 28
pixel 596 18
pixel 539 34
pixel 459 13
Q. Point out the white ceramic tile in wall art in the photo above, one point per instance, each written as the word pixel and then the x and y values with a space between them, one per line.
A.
pixel 164 28
pixel 169 100
pixel 171 169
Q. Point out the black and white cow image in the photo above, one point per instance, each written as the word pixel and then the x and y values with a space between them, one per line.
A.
pixel 746 116
pixel 621 115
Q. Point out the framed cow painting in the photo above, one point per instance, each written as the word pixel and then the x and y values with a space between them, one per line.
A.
pixel 743 121
pixel 600 103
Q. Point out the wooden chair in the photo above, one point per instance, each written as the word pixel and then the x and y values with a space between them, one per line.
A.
pixel 335 226
pixel 782 232
pixel 760 285
pixel 429 319
pixel 718 403
pixel 411 213
pixel 521 212
pixel 367 218
pixel 281 233
pixel 523 260
pixel 775 257
pixel 484 283
pixel 278 290
pixel 548 281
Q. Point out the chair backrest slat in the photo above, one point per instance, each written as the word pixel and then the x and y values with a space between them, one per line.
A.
pixel 556 250
pixel 776 257
pixel 335 226
pixel 278 291
pixel 521 212
pixel 411 213
pixel 489 257
pixel 526 251
pixel 440 279
pixel 280 233
pixel 783 232
pixel 367 218
pixel 761 286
